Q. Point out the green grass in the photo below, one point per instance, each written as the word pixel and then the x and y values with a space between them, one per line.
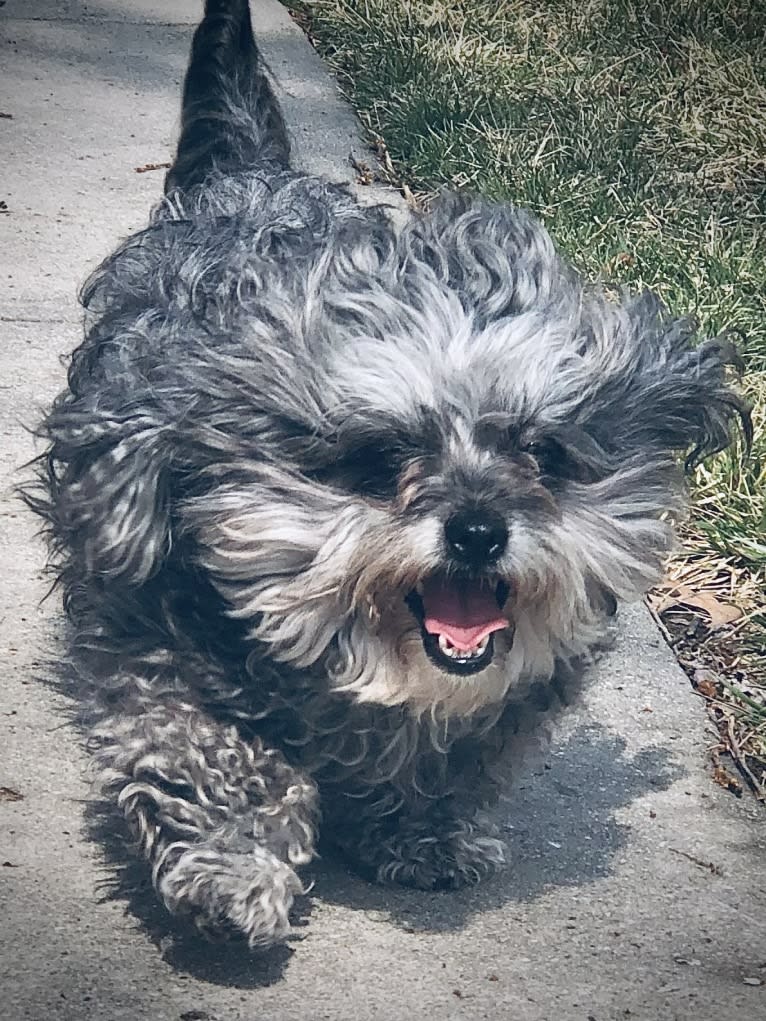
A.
pixel 637 132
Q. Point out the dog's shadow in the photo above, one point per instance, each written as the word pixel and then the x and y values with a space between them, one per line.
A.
pixel 559 824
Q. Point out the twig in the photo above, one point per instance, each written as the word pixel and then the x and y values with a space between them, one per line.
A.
pixel 709 866
pixel 736 753
pixel 658 621
pixel 151 166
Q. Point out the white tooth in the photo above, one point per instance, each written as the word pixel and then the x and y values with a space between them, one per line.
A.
pixel 450 650
pixel 447 648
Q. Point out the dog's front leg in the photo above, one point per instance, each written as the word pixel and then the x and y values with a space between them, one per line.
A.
pixel 429 844
pixel 223 821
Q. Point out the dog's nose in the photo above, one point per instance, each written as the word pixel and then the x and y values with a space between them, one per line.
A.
pixel 476 537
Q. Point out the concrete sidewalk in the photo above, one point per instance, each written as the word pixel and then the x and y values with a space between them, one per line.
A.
pixel 636 890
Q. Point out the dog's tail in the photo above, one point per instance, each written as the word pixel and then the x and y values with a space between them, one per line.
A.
pixel 230 120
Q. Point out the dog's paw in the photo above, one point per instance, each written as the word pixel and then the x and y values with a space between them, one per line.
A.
pixel 230 895
pixel 441 861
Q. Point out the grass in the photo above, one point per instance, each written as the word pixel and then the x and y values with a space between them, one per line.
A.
pixel 637 132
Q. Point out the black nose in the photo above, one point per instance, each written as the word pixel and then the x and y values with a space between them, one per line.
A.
pixel 476 537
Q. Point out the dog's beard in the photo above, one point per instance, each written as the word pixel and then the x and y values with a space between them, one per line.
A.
pixel 323 577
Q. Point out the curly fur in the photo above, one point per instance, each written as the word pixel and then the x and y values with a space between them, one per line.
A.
pixel 281 398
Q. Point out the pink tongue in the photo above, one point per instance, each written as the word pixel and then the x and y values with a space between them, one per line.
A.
pixel 464 612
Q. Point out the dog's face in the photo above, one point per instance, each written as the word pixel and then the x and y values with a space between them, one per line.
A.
pixel 471 462
pixel 425 463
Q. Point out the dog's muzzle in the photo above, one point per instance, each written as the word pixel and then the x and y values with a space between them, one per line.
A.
pixel 458 619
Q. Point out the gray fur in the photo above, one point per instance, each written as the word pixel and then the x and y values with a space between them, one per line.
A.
pixel 280 400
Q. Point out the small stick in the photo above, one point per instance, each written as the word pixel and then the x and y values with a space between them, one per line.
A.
pixel 658 621
pixel 708 865
pixel 739 758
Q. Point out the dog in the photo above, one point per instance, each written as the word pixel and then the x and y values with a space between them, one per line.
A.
pixel 335 501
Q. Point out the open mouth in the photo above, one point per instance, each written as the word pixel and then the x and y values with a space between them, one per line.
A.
pixel 458 619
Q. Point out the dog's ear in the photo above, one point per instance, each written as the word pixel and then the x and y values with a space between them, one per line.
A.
pixel 108 476
pixel 661 393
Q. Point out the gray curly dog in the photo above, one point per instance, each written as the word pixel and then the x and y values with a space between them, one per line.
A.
pixel 337 504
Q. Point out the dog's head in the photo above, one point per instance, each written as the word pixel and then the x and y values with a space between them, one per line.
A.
pixel 467 459
pixel 431 462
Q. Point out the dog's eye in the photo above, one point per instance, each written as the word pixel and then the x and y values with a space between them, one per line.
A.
pixel 372 471
pixel 554 461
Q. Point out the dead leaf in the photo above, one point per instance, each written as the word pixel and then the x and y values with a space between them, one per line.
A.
pixel 9 794
pixel 151 166
pixel 705 682
pixel 364 173
pixel 726 780
pixel 719 613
